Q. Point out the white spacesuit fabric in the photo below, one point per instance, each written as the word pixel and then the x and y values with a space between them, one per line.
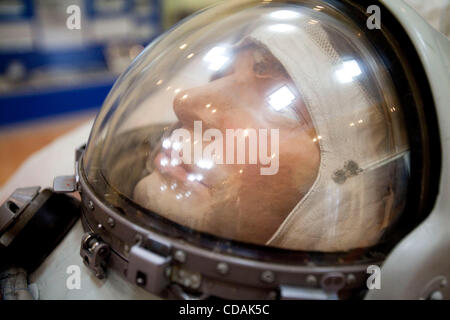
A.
pixel 337 215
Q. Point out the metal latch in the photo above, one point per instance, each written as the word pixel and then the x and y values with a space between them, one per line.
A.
pixel 148 269
pixel 95 254
pixel 13 207
pixel 64 184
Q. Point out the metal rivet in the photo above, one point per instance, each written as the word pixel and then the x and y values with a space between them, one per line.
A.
pixel 138 238
pixel 272 295
pixel 140 281
pixel 351 279
pixel 222 268
pixel 267 276
pixel 90 205
pixel 195 281
pixel 100 226
pixel 333 281
pixel 111 222
pixel 180 256
pixel 311 280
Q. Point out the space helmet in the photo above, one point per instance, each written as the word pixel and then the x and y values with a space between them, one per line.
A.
pixel 257 145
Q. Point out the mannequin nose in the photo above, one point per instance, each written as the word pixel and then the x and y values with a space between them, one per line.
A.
pixel 195 104
pixel 183 105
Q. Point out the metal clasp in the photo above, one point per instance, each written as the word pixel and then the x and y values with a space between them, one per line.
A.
pixel 95 254
pixel 68 184
pixel 148 269
pixel 13 207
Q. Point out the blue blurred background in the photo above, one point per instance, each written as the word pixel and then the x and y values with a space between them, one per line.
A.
pixel 48 69
pixel 53 77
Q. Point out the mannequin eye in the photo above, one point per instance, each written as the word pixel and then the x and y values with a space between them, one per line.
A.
pixel 283 101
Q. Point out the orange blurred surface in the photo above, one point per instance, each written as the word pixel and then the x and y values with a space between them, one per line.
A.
pixel 19 142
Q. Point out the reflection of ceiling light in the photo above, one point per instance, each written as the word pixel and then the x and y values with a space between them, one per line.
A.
pixel 216 58
pixel 183 46
pixel 348 71
pixel 194 177
pixel 176 146
pixel 179 196
pixel 281 98
pixel 164 162
pixel 166 144
pixel 163 187
pixel 281 27
pixel 284 14
pixel 174 162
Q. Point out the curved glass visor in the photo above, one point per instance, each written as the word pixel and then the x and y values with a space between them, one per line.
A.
pixel 273 124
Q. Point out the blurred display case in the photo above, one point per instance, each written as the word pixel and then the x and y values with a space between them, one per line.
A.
pixel 176 10
pixel 46 68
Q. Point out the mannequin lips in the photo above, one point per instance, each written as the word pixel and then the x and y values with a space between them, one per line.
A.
pixel 179 172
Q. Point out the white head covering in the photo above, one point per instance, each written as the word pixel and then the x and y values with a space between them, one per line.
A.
pixel 354 196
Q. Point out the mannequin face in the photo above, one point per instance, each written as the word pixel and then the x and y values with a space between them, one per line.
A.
pixel 235 201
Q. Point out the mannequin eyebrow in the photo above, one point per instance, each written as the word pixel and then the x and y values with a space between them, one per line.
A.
pixel 264 63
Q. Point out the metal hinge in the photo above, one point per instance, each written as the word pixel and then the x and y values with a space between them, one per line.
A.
pixel 13 207
pixel 95 254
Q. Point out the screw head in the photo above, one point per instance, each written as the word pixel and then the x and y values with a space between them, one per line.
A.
pixel 140 281
pixel 351 279
pixel 333 281
pixel 90 205
pixel 195 281
pixel 111 222
pixel 222 268
pixel 267 276
pixel 180 256
pixel 311 280
pixel 272 295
